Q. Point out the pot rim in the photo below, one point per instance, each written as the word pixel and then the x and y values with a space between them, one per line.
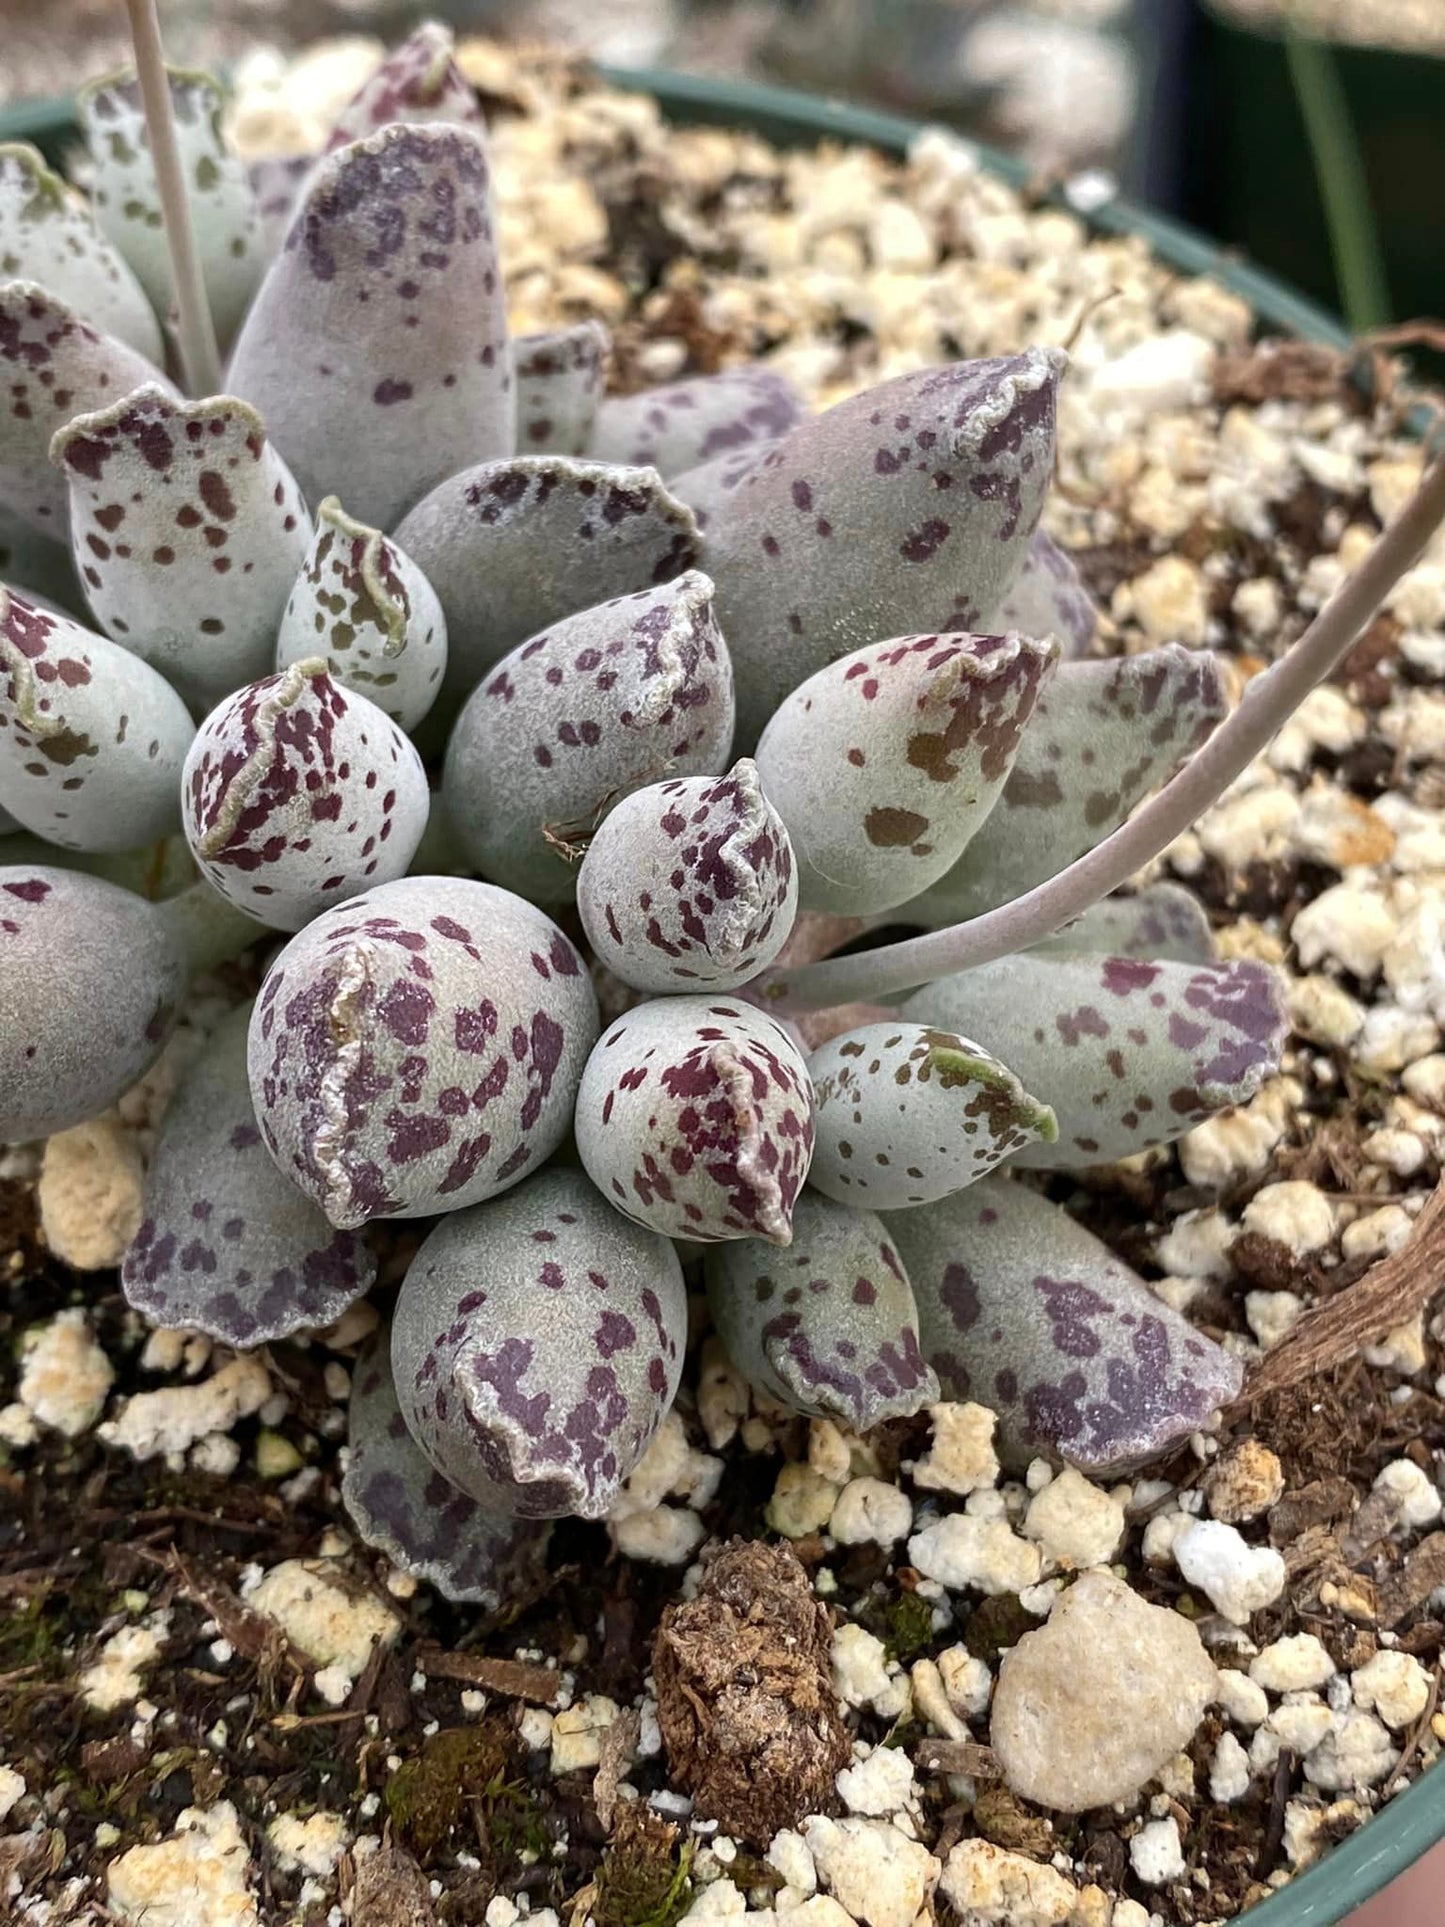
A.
pixel 1412 1822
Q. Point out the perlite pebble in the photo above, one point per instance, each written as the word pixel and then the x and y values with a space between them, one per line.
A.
pixel 311 1846
pixel 963 1551
pixel 788 1855
pixel 1075 1523
pixel 1377 1233
pixel 174 1419
pixel 987 1883
pixel 200 1877
pixel 1272 1315
pixel 871 1512
pixel 1238 1579
pixel 876 1873
pixel 1356 1752
pixel 1292 1665
pixel 1229 1774
pixel 1394 1685
pixel 331 1622
pixel 117 1674
pixel 89 1193
pixel 961 1457
pixel 64 1375
pixel 577 1733
pixel 966 1680
pixel 881 1783
pixel 1417 1501
pixel 1244 1482
pixel 802 1502
pixel 1295 1214
pixel 860 1671
pixel 12 1790
pixel 1156 1852
pixel 931 1701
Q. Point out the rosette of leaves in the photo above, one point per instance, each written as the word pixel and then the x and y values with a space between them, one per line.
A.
pixel 740 679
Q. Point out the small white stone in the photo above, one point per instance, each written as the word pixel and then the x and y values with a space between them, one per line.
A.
pixel 1238 1579
pixel 828 1451
pixel 334 1625
pixel 722 1394
pixel 1300 1724
pixel 802 1501
pixel 64 1374
pixel 1242 1698
pixel 860 1669
pixel 871 1512
pixel 1197 1245
pixel 1292 1665
pixel 718 1900
pixel 1352 924
pixel 1169 601
pixel 877 1873
pixel 311 1846
pixel 986 1883
pixel 534 1728
pixel 200 1877
pixel 577 1733
pixel 1244 1482
pixel 1272 1315
pixel 667 1536
pixel 966 1680
pixel 157 1424
pixel 881 1784
pixel 1132 1913
pixel 89 1193
pixel 1156 1852
pixel 1295 1214
pixel 501 1912
pixel 788 1855
pixel 932 1703
pixel 118 1674
pixel 960 1551
pixel 1377 1233
pixel 12 1790
pixel 1076 1523
pixel 1162 1530
pixel 18 1426
pixel 1228 1771
pixel 1394 1685
pixel 961 1457
pixel 1235 1145
pixel 217 1455
pixel 1417 1500
pixel 1324 1013
pixel 1424 1080
pixel 1392 1038
pixel 1356 1752
pixel 1402 1349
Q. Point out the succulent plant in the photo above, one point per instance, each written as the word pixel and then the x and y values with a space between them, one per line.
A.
pixel 395 552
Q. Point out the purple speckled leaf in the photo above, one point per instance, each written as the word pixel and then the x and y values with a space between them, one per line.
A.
pixel 228 1245
pixel 39 567
pixel 89 987
pixel 885 763
pixel 188 531
pixel 560 378
pixel 127 205
pixel 706 488
pixel 364 605
pixel 276 182
pixel 1048 598
pixel 537 1346
pixel 91 739
pixel 49 235
pixel 511 547
pixel 1129 1052
pixel 687 423
pixel 903 510
pixel 695 1117
pixel 1023 1310
pixel 1103 735
pixel 418 81
pixel 402 1505
pixel 906 1114
pixel 52 364
pixel 578 717
pixel 690 884
pixel 298 793
pixel 1165 923
pixel 828 1327
pixel 419 1049
pixel 376 347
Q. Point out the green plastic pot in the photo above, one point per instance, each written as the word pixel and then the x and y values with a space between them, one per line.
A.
pixel 1411 1824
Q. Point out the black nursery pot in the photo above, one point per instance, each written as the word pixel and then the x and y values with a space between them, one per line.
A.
pixel 1411 1824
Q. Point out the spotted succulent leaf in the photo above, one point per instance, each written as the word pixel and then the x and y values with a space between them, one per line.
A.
pixel 680 426
pixel 695 1118
pixel 188 531
pixel 419 1048
pixel 907 1114
pixel 53 365
pixel 90 982
pixel 1024 1310
pixel 1048 598
pixel 418 81
pixel 577 718
pixel 828 1327
pixel 92 740
pixel 376 347
pixel 1129 1052
pixel 560 378
pixel 689 884
pixel 511 547
pixel 37 565
pixel 298 794
pixel 705 489
pixel 228 1245
pixel 1103 735
pixel 886 763
pixel 127 201
pixel 1165 923
pixel 49 235
pixel 363 604
pixel 905 509
pixel 425 1525
pixel 276 183
pixel 537 1346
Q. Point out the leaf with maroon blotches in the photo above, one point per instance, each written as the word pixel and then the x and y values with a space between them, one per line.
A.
pixel 227 1244
pixel 1048 598
pixel 906 1114
pixel 276 183
pixel 511 547
pixel 363 604
pixel 90 983
pixel 52 234
pixel 53 364
pixel 690 884
pixel 229 241
pixel 828 1327
pixel 376 347
pixel 1129 1052
pixel 681 426
pixel 298 793
pixel 906 509
pixel 418 81
pixel 92 740
pixel 1163 922
pixel 1103 735
pixel 576 719
pixel 885 764
pixel 425 1525
pixel 537 1345
pixel 560 378
pixel 1023 1310
pixel 188 530
pixel 705 489
pixel 695 1118
pixel 419 1048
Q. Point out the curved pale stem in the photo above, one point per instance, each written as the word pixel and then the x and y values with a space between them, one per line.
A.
pixel 1270 699
pixel 207 930
pixel 195 329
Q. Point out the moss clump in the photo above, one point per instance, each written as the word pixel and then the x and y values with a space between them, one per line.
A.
pixel 909 1633
pixel 996 1625
pixel 426 1796
pixel 645 1876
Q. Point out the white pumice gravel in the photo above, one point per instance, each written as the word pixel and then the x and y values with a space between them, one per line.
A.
pixel 960 1457
pixel 1156 1852
pixel 333 1621
pixel 987 1883
pixel 1394 1685
pixel 168 1422
pixel 1243 1699
pixel 1244 1482
pixel 877 1873
pixel 65 1376
pixel 1074 1522
pixel 1294 1664
pixel 1295 1214
pixel 871 1512
pixel 200 1877
pixel 1358 1751
pixel 881 1783
pixel 1237 1578
pixel 1229 1774
pixel 1417 1499
pixel 985 1555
